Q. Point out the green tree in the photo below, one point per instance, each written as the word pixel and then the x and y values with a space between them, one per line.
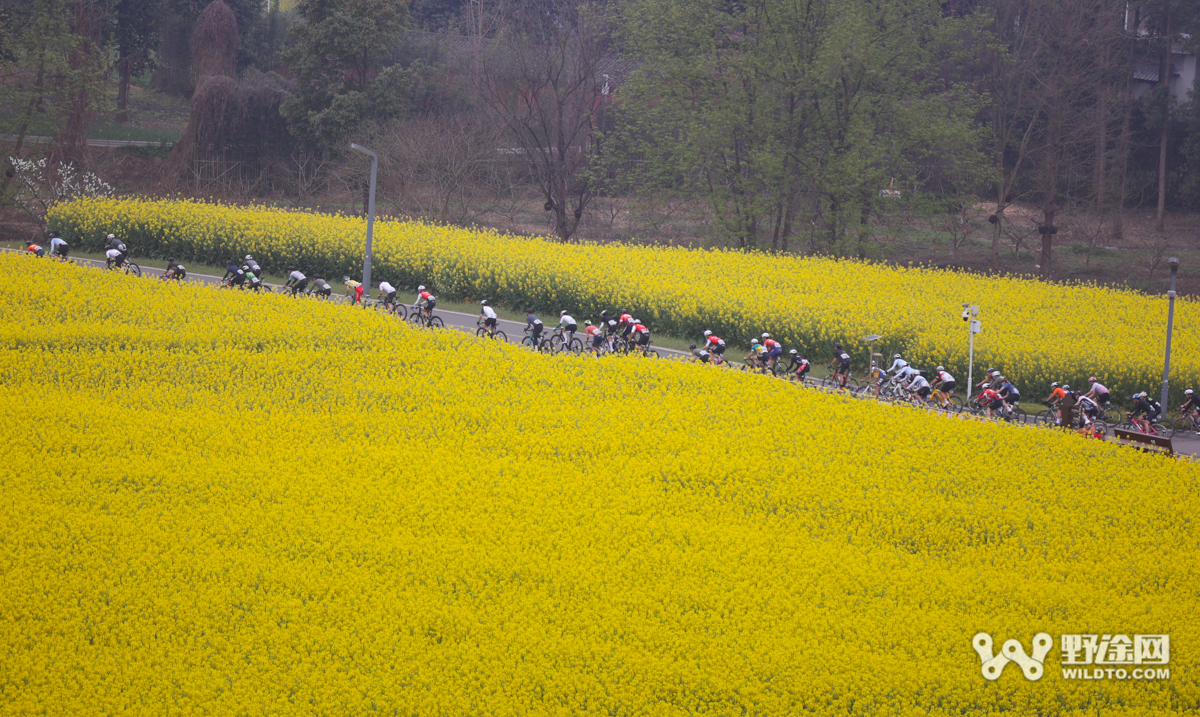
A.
pixel 768 109
pixel 136 36
pixel 338 55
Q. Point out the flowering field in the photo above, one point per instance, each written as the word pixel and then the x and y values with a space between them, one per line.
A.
pixel 220 503
pixel 1034 331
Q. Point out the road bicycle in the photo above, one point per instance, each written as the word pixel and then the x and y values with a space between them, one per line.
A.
pixel 489 332
pixel 395 308
pixel 1187 423
pixel 560 343
pixel 127 266
pixel 943 401
pixel 543 346
pixel 1156 429
pixel 417 317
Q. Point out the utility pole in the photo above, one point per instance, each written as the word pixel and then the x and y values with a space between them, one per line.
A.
pixel 1173 262
pixel 370 216
pixel 970 311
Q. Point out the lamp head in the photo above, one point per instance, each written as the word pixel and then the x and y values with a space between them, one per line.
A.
pixel 1173 262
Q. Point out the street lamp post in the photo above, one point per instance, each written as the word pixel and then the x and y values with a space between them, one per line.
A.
pixel 1173 262
pixel 970 311
pixel 370 215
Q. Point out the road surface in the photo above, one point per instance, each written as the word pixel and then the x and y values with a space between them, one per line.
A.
pixel 1183 444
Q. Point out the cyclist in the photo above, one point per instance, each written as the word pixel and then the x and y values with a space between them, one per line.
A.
pixel 898 363
pixel 642 334
pixel 354 290
pixel 700 355
pixel 1098 392
pixel 989 377
pixel 920 386
pixel 1089 410
pixel 1009 392
pixel 1056 394
pixel 535 327
pixel 114 244
pixel 255 283
pixel 596 336
pixel 59 248
pixel 905 375
pixel 296 281
pixel 321 288
pixel 425 302
pixel 387 292
pixel 756 352
pixel 568 326
pixel 488 315
pixel 843 364
pixel 715 346
pixel 36 250
pixel 943 382
pixel 626 324
pixel 1191 402
pixel 990 398
pixel 172 271
pixel 252 266
pixel 798 364
pixel 774 350
pixel 1143 413
pixel 234 275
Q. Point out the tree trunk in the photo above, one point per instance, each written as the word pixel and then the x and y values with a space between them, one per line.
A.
pixel 124 67
pixel 1047 241
pixel 34 100
pixel 1164 77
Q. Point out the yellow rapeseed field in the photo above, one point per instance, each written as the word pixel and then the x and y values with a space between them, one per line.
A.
pixel 217 503
pixel 1034 331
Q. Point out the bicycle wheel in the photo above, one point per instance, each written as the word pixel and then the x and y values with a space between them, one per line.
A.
pixel 131 268
pixel 1100 427
pixel 576 346
pixel 1019 416
pixel 527 342
pixel 1112 416
pixel 1163 430
pixel 481 332
pixel 415 318
pixel 650 353
pixel 1183 425
pixel 546 348
pixel 1046 418
pixel 437 323
pixel 954 404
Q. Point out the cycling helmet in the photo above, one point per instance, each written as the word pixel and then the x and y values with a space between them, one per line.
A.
pixel 1054 384
pixel 345 278
pixel 1066 388
pixel 1092 379
pixel 941 368
pixel 112 236
pixel 707 334
pixel 766 336
pixel 419 288
pixel 483 303
pixel 604 313
pixel 692 347
pixel 1188 392
pixel 896 356
pixel 837 346
pixel 587 322
pixel 753 342
pixel 562 313
pixel 986 385
pixel 289 268
pixel 248 257
pixel 622 311
pixel 792 352
pixel 170 258
pixel 529 311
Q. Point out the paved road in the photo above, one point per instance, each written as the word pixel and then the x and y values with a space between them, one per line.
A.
pixel 1189 444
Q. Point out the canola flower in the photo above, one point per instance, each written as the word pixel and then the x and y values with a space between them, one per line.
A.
pixel 1035 332
pixel 221 504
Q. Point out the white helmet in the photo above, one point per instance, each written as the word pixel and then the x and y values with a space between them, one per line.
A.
pixel 766 336
pixel 707 334
pixel 420 288
pixel 1188 392
pixel 563 312
pixel 941 368
pixel 986 385
pixel 248 258
pixel 896 356
pixel 112 236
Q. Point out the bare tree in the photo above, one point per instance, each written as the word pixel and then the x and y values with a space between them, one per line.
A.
pixel 535 66
pixel 959 222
